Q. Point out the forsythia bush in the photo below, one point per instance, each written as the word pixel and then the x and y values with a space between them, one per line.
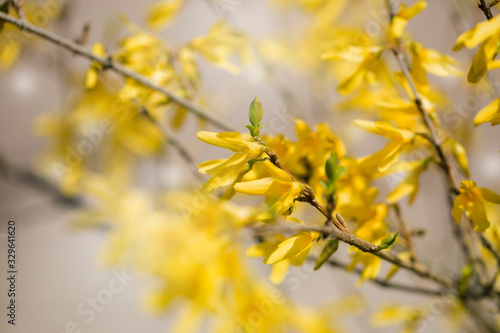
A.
pixel 283 199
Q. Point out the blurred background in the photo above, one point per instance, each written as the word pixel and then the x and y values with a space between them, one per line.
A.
pixel 60 270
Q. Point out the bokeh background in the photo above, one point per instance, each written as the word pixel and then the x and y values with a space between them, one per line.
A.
pixel 60 267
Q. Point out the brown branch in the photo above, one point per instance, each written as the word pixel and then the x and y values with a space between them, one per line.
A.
pixel 486 8
pixel 445 166
pixel 11 171
pixel 108 63
pixel 17 4
pixel 405 233
pixel 364 246
pixel 181 150
pixel 387 284
pixel 468 249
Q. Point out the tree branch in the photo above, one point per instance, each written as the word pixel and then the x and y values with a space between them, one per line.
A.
pixel 108 63
pixel 390 285
pixel 486 8
pixel 364 246
pixel 181 150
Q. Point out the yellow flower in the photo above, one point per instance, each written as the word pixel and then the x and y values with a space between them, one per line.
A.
pixel 487 34
pixel 279 189
pixel 142 52
pixel 95 67
pixel 373 230
pixel 364 57
pixel 162 12
pixel 392 314
pixel 265 248
pixel 226 171
pixel 490 113
pixel 384 158
pixel 400 20
pixel 471 200
pixel 409 185
pixel 426 60
pixel 295 247
pixel 220 44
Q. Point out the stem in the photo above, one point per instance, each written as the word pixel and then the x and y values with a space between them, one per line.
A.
pixel 186 156
pixel 17 7
pixel 486 8
pixel 108 63
pixel 364 246
pixel 386 284
pixel 404 231
pixel 433 138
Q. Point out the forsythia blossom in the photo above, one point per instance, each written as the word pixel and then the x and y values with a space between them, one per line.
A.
pixel 226 171
pixel 472 200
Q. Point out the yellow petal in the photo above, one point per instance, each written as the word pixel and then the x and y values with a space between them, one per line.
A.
pixel 230 140
pixel 458 208
pixel 278 271
pixel 162 12
pixel 398 26
pixel 99 49
pixel 262 249
pixel 478 34
pixel 490 196
pixel 477 213
pixel 408 186
pixel 439 64
pixel 208 165
pixel 265 186
pixel 478 67
pixel 392 315
pixel 91 78
pixel 487 113
pixel 290 247
pixel 461 157
pixel 415 9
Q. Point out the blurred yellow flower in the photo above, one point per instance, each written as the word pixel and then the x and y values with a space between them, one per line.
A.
pixel 472 200
pixel 410 184
pixel 490 113
pixel 220 44
pixel 400 20
pixel 365 59
pixel 95 67
pixel 487 34
pixel 384 158
pixel 161 13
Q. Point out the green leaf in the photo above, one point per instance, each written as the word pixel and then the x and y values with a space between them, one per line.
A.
pixel 4 8
pixel 333 172
pixel 255 113
pixel 330 248
pixel 339 172
pixel 251 129
pixel 331 165
pixel 387 241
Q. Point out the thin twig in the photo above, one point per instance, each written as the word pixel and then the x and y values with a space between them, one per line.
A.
pixel 387 284
pixel 186 156
pixel 468 249
pixel 11 171
pixel 404 231
pixel 364 246
pixel 18 8
pixel 109 64
pixel 486 8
